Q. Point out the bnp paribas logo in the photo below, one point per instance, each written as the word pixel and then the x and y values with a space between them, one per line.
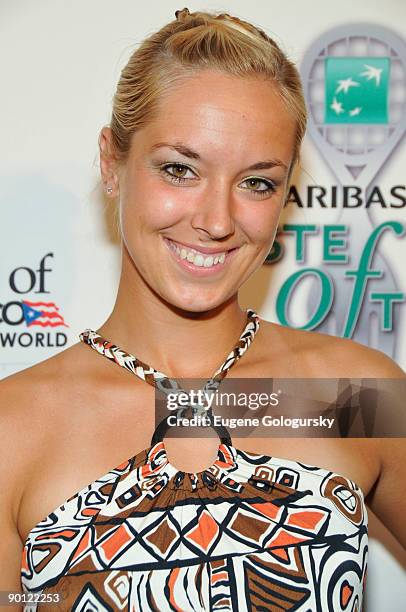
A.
pixel 356 89
pixel 354 78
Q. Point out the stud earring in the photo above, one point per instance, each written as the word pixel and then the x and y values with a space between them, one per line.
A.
pixel 109 190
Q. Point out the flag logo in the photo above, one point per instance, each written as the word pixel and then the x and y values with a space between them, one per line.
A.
pixel 356 89
pixel 44 314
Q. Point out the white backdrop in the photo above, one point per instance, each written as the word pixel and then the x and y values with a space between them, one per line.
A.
pixel 60 62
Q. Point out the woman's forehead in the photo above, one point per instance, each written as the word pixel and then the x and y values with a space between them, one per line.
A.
pixel 241 96
pixel 220 112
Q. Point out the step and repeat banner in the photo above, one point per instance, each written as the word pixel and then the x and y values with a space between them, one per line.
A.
pixel 337 265
pixel 338 262
pixel 354 77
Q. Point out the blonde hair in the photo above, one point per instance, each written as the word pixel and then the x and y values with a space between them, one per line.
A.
pixel 191 42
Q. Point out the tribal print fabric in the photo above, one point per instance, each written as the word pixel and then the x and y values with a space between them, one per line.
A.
pixel 250 532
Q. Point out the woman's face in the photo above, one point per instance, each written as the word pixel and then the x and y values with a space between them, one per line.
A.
pixel 203 188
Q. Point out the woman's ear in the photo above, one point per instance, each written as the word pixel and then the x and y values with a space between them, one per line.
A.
pixel 108 163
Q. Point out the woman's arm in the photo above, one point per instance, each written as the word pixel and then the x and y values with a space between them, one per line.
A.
pixel 10 553
pixel 388 497
pixel 12 433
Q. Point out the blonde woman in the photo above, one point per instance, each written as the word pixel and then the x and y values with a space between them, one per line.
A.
pixel 98 511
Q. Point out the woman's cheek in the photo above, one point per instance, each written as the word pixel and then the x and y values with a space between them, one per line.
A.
pixel 261 227
pixel 164 210
pixel 171 209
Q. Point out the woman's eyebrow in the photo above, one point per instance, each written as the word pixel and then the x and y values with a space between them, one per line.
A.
pixel 187 152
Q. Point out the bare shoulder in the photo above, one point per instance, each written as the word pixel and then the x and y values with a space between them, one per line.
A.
pixel 33 400
pixel 39 385
pixel 37 408
pixel 314 354
pixel 32 406
pixel 348 357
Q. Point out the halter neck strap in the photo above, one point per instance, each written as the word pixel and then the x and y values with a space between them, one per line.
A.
pixel 164 383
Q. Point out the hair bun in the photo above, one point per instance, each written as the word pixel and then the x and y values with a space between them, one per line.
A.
pixel 181 14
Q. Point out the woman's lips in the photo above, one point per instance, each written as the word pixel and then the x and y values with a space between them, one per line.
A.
pixel 199 270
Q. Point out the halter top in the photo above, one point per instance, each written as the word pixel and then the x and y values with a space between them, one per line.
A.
pixel 249 533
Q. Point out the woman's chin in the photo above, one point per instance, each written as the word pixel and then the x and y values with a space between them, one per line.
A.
pixel 196 303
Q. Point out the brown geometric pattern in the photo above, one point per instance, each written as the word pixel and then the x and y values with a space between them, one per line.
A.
pixel 249 533
pixel 217 541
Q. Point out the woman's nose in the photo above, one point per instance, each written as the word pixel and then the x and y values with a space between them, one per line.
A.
pixel 214 212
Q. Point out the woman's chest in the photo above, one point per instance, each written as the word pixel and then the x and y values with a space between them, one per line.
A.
pixel 91 448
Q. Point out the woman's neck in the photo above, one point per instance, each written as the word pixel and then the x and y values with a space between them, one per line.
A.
pixel 175 342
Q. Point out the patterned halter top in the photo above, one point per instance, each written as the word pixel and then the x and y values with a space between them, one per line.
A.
pixel 249 533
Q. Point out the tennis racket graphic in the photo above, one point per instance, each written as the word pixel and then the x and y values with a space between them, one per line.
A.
pixel 354 78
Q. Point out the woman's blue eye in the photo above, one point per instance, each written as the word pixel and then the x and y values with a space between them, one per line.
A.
pixel 270 186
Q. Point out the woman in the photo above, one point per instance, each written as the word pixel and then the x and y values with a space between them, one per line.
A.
pixel 205 132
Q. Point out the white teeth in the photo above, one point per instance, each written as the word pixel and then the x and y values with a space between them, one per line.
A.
pixel 197 259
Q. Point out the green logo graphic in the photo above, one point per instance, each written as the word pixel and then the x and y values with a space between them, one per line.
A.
pixel 356 89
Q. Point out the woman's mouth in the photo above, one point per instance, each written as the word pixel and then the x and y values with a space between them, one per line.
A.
pixel 197 262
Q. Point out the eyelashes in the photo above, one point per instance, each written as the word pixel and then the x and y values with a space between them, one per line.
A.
pixel 269 189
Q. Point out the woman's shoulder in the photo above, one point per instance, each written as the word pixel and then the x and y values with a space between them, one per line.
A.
pixel 28 412
pixel 42 381
pixel 316 354
pixel 36 403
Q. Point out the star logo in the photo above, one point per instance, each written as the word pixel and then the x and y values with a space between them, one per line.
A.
pixel 356 89
pixel 345 84
pixel 355 111
pixel 337 107
pixel 372 72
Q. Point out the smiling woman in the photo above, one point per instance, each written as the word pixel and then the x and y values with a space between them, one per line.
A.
pixel 183 178
pixel 189 186
pixel 206 128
